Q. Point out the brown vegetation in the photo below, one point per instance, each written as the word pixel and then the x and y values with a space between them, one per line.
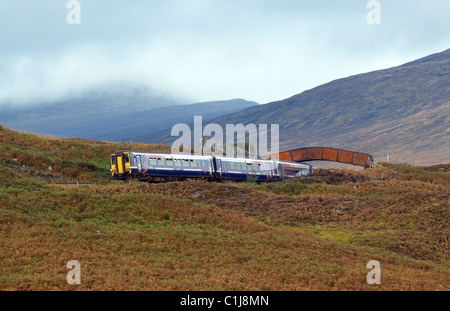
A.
pixel 315 233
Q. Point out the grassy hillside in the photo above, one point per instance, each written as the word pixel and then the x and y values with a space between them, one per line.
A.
pixel 316 233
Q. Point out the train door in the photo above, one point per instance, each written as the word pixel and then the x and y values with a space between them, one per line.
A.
pixel 267 170
pixel 126 160
pixel 281 171
pixel 217 167
pixel 138 163
pixel 113 164
pixel 119 164
pixel 176 164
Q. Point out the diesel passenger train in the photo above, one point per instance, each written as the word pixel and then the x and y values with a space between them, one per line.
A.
pixel 159 167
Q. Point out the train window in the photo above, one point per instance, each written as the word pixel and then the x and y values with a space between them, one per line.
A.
pixel 126 158
pixel 292 170
pixel 240 166
pixel 236 166
pixel 137 160
pixel 225 165
pixel 113 160
pixel 153 161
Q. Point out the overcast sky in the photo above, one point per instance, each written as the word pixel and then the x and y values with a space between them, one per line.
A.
pixel 201 50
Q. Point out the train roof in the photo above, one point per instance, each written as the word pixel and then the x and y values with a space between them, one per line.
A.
pixel 295 164
pixel 243 159
pixel 166 154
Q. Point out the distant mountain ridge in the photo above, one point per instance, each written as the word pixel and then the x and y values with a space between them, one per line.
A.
pixel 79 116
pixel 402 111
pixel 112 117
pixel 167 117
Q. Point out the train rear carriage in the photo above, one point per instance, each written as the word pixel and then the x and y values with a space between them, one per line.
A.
pixel 241 169
pixel 291 170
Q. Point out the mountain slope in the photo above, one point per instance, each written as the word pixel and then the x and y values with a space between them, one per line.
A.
pixel 402 111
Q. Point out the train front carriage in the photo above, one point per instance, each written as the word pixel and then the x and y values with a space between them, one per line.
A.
pixel 120 165
pixel 149 166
